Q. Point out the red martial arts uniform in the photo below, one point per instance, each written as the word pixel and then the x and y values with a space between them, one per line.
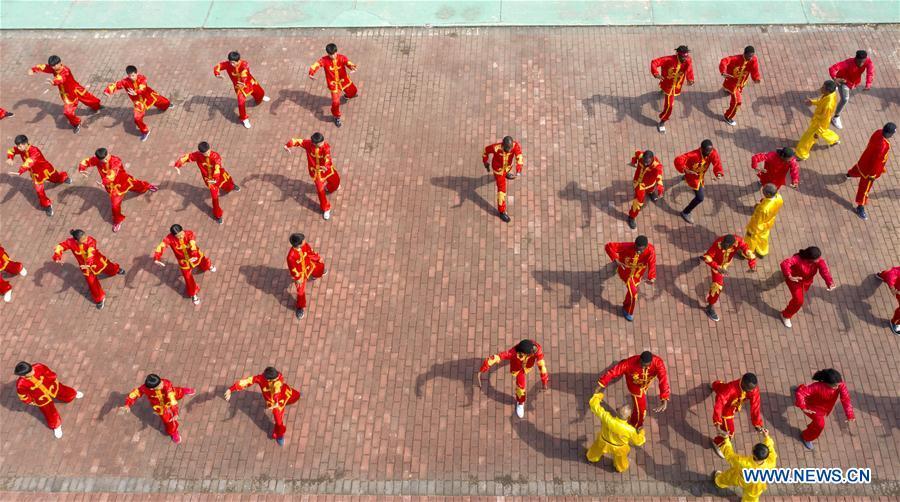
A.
pixel 694 166
pixel 738 71
pixel 638 380
pixel 719 259
pixel 244 83
pixel 143 98
pixel 40 389
pixel 278 396
pixel 189 257
pixel 674 73
pixel 321 170
pixel 501 166
pixel 3 113
pixel 870 166
pixel 519 366
pixel 646 179
pixel 806 270
pixel 776 169
pixel 633 269
pixel 729 399
pixel 70 91
pixel 9 267
pixel 892 277
pixel 41 170
pixel 116 181
pixel 817 400
pixel 848 71
pixel 338 79
pixel 303 265
pixel 91 262
pixel 164 401
pixel 214 175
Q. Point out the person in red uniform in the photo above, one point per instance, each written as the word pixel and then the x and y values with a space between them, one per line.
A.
pixel 522 359
pixel 632 259
pixel 163 398
pixel 277 393
pixel 817 400
pixel 891 277
pixel 639 372
pixel 70 90
pixel 337 76
pixel 718 258
pixel 244 83
pixel 184 246
pixel 693 165
pixel 871 165
pixel 847 74
pixel 91 262
pixel 142 96
pixel 776 165
pixel 737 70
pixel 799 271
pixel 39 386
pixel 4 114
pixel 505 153
pixel 671 71
pixel 647 181
pixel 214 175
pixel 116 180
pixel 41 169
pixel 321 169
pixel 730 397
pixel 304 264
pixel 7 266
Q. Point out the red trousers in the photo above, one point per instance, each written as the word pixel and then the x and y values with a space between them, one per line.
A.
pixel 638 202
pixel 257 92
pixel 12 268
pixel 191 287
pixel 638 411
pixel 668 104
pixel 350 92
pixel 735 103
pixel 500 179
pixel 138 186
pixel 278 415
pixel 728 425
pixel 65 395
pixel 139 111
pixel 56 177
pixel 715 288
pixel 798 291
pixel 631 291
pixel 88 99
pixel 521 382
pixel 865 186
pixel 318 270
pixel 169 415
pixel 331 184
pixel 93 281
pixel 815 428
pixel 214 191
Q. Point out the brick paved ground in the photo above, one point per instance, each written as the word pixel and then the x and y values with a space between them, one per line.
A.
pixel 425 279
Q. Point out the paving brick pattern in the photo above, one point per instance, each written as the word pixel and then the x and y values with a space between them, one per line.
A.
pixel 425 279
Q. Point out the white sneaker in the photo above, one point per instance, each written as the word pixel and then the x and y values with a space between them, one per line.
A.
pixel 520 410
pixel 212 268
pixel 786 322
pixel 837 122
pixel 24 272
pixel 7 297
pixel 661 127
pixel 267 99
pixel 327 214
pixel 247 123
pixel 79 394
pixel 196 299
pixel 57 432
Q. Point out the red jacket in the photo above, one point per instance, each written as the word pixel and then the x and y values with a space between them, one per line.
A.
pixel 214 175
pixel 301 263
pixel 848 71
pixel 336 75
pixel 33 160
pixel 144 97
pixel 635 265
pixel 5 260
pixel 240 75
pixel 892 277
pixel 873 161
pixel 163 399
pixel 776 169
pixel 806 270
pixel 276 393
pixel 694 166
pixel 739 70
pixel 638 378
pixel 820 398
pixel 719 259
pixel 113 175
pixel 729 399
pixel 185 250
pixel 673 71
pixel 519 364
pixel 38 389
pixel 90 260
pixel 69 88
pixel 647 177
pixel 502 161
pixel 318 159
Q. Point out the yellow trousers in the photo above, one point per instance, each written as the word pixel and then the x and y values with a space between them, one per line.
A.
pixel 618 453
pixel 809 139
pixel 733 477
pixel 758 243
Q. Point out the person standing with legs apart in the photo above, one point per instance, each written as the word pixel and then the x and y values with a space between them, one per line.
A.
pixel 91 262
pixel 762 221
pixel 647 181
pixel 214 175
pixel 244 83
pixel 522 359
pixel 7 266
pixel 817 400
pixel 730 397
pixel 70 91
pixel 871 165
pixel 891 277
pixel 693 165
pixel 799 271
pixel 848 75
pixel 163 398
pixel 764 457
pixel 632 260
pixel 718 258
pixel 639 372
pixel 320 166
pixel 337 76
pixel 141 95
pixel 505 153
pixel 776 166
pixel 616 434
pixel 116 180
pixel 41 169
pixel 737 70
pixel 304 265
pixel 671 71
pixel 184 246
pixel 277 393
pixel 818 125
pixel 39 386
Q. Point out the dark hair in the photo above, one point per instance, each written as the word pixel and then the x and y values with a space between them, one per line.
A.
pixel 749 50
pixel 682 49
pixel 707 143
pixel 770 189
pixel 270 373
pixel 130 69
pixel 648 154
pixel 22 368
pixel 234 56
pixel 860 54
pixel 760 451
pixel 101 153
pixel 646 357
pixel 175 229
pixel 317 137
pixel 525 347
pixel 203 147
pixel 331 49
pixel 54 60
pixel 21 139
pixel 830 376
pixel 508 143
pixel 810 253
pixel 76 233
pixel 152 381
pixel 728 240
pixel 749 379
pixel 888 130
pixel 786 152
pixel 641 241
pixel 297 239
pixel 829 85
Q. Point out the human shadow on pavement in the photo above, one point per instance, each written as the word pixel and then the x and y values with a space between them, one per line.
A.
pixel 631 106
pixel 316 104
pixel 775 412
pixel 9 399
pixel 677 474
pixel 885 408
pixel 466 189
pixel 668 277
pixel 889 97
pixel 190 195
pixel 224 106
pixel 703 100
pixel 271 281
pixel 694 239
pixel 747 288
pixel 581 387
pixel 791 103
pixel 752 141
pixel 588 284
pixel 141 409
pixel 168 275
pixel 92 197
pixel 816 185
pixel 251 403
pixel 21 185
pixel 68 274
pixel 854 299
pixel 551 446
pixel 118 116
pixel 611 199
pixel 463 371
pixel 290 188
pixel 45 109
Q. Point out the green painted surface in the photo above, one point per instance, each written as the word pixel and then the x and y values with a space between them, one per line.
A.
pixel 152 14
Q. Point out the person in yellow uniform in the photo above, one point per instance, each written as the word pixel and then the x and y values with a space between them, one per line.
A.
pixel 818 126
pixel 764 457
pixel 615 435
pixel 757 234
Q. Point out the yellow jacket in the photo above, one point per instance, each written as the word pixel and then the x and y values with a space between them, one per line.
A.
pixel 764 214
pixel 615 431
pixel 825 106
pixel 741 462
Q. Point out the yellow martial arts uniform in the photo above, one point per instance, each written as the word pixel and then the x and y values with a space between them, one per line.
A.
pixel 757 234
pixel 734 477
pixel 614 436
pixel 818 127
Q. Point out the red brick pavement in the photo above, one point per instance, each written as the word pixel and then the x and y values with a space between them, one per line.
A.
pixel 425 280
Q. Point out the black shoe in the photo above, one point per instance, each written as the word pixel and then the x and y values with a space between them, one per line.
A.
pixel 9 114
pixel 68 180
pixel 505 217
pixel 338 122
pixel 121 271
pixel 861 212
pixel 300 313
pixel 100 305
pixel 711 313
pixel 99 108
pixel 237 188
pixel 77 128
pixel 632 224
pixel 687 217
pixel 219 221
pixel 653 197
pixel 49 210
pixel 145 136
